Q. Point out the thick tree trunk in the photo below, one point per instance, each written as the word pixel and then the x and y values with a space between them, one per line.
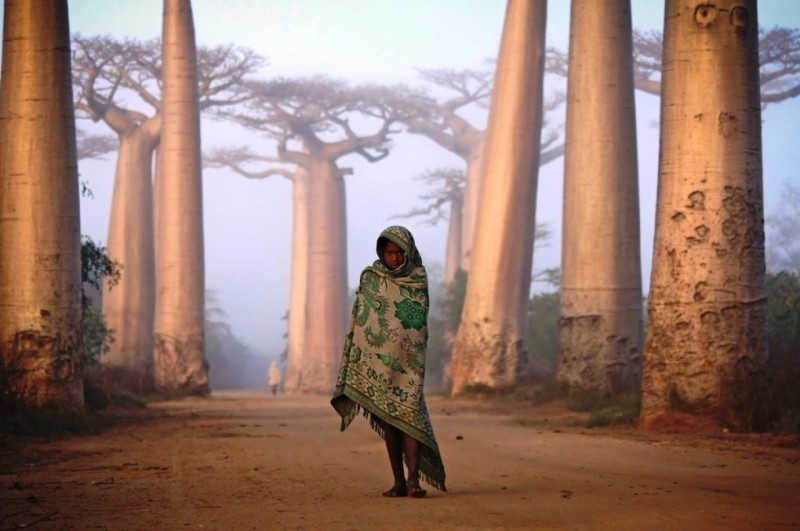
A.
pixel 706 337
pixel 129 306
pixel 490 345
pixel 453 255
pixel 40 269
pixel 298 307
pixel 472 195
pixel 327 279
pixel 601 280
pixel 180 363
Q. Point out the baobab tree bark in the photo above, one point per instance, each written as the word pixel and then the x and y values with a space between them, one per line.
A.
pixel 455 228
pixel 452 131
pixel 706 336
pixel 779 63
pixel 298 289
pixel 179 359
pixel 40 270
pixel 489 349
pixel 601 279
pixel 129 307
pixel 326 296
pixel 472 197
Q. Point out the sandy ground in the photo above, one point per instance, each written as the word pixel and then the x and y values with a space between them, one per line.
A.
pixel 253 461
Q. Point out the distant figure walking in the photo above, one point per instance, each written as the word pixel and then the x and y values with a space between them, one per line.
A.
pixel 274 377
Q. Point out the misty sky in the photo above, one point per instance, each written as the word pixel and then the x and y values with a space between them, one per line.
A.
pixel 248 223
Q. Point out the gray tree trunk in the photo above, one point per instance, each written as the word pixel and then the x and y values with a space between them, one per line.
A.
pixel 707 309
pixel 489 349
pixel 601 279
pixel 179 358
pixel 40 263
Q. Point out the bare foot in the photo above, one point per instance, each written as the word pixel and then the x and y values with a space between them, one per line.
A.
pixel 397 491
pixel 415 491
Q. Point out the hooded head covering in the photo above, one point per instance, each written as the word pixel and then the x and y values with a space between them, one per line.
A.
pixel 403 238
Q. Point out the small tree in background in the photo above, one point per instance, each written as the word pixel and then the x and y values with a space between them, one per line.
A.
pixel 543 329
pixel 783 367
pixel 783 311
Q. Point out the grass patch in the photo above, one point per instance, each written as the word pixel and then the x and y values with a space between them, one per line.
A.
pixel 538 394
pixel 622 410
pixel 585 401
pixel 481 390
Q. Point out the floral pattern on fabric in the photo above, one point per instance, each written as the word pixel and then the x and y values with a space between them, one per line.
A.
pixel 411 314
pixel 383 362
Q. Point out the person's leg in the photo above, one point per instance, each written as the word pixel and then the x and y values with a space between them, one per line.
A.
pixel 394 447
pixel 412 457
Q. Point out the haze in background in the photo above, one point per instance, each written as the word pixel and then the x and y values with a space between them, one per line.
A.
pixel 248 223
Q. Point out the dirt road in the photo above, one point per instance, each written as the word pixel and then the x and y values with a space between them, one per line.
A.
pixel 253 461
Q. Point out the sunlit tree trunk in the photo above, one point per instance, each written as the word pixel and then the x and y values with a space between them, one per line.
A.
pixel 129 306
pixel 326 295
pixel 601 280
pixel 472 195
pixel 706 337
pixel 295 352
pixel 158 202
pixel 40 270
pixel 179 359
pixel 490 344
pixel 455 229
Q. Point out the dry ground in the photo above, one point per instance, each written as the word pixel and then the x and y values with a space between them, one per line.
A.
pixel 252 461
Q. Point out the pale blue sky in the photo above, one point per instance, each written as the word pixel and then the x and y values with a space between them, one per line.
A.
pixel 248 223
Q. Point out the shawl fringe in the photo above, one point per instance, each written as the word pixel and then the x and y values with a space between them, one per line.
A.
pixel 349 408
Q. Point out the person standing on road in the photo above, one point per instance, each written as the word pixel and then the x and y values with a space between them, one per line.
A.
pixel 274 377
pixel 383 363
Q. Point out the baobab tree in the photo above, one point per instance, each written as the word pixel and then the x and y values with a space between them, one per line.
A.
pixel 601 280
pixel 448 125
pixel 178 333
pixel 128 308
pixel 450 129
pixel 489 349
pixel 40 269
pixel 107 72
pixel 242 161
pixel 706 337
pixel 314 123
pixel 778 59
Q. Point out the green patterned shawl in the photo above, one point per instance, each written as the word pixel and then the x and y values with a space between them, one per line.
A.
pixel 383 363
